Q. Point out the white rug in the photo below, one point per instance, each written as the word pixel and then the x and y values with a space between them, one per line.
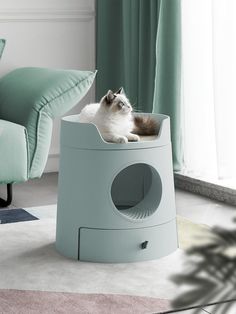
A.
pixel 29 261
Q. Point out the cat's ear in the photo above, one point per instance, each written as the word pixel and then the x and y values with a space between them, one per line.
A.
pixel 120 91
pixel 110 96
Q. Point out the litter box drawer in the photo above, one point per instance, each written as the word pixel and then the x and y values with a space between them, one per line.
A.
pixel 127 245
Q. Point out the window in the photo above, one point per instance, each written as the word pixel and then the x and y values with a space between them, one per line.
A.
pixel 209 89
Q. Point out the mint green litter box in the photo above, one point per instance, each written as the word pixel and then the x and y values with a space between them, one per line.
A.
pixel 116 201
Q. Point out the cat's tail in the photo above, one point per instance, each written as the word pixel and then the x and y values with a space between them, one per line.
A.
pixel 145 125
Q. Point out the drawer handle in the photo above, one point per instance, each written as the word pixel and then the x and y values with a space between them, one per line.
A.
pixel 144 245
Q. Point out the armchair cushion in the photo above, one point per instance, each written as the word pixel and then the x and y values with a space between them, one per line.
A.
pixel 32 97
pixel 14 152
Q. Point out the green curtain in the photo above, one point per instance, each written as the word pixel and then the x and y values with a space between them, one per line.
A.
pixel 138 47
pixel 126 41
pixel 168 68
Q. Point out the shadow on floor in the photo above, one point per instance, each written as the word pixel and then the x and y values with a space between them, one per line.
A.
pixel 210 274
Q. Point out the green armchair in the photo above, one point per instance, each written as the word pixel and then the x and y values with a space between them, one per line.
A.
pixel 30 98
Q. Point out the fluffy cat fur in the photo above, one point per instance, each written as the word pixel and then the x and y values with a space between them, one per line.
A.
pixel 114 119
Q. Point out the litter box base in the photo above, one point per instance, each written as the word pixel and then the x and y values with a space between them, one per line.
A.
pixel 97 178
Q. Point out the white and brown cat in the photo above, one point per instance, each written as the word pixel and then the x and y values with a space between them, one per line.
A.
pixel 114 119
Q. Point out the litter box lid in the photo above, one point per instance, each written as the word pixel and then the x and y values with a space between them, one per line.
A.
pixel 75 134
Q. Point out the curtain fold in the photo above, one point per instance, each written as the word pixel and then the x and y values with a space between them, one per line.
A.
pixel 167 91
pixel 126 41
pixel 138 47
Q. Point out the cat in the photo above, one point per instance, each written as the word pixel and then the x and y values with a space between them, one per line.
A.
pixel 114 119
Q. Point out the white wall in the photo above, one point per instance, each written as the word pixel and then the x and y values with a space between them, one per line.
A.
pixel 49 33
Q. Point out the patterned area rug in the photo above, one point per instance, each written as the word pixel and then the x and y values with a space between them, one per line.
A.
pixel 16 301
pixel 34 276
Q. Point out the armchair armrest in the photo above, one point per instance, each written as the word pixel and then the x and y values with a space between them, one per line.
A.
pixel 33 97
pixel 14 152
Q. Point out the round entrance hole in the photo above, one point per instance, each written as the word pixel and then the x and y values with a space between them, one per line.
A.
pixel 136 191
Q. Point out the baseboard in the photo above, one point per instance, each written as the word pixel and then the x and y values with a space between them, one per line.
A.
pixel 210 190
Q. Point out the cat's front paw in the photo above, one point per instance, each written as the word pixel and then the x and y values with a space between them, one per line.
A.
pixel 122 140
pixel 133 137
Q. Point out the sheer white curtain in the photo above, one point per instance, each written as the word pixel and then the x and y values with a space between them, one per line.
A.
pixel 209 88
